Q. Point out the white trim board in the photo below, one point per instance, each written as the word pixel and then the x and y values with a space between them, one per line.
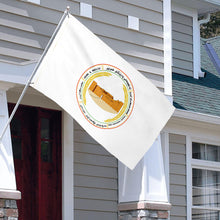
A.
pixel 189 176
pixel 167 24
pixel 196 47
pixel 67 167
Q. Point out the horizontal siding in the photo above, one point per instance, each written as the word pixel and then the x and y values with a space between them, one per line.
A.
pixel 95 205
pixel 98 194
pixel 96 215
pixel 95 179
pixel 182 33
pixel 142 9
pixel 25 31
pixel 155 5
pixel 177 157
pixel 11 49
pixel 134 50
pixel 27 28
pixel 95 182
pixel 94 159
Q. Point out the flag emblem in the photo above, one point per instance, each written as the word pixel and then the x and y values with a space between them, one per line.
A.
pixel 105 96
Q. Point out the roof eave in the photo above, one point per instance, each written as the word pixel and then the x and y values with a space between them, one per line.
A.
pixel 215 2
pixel 196 116
pixel 202 6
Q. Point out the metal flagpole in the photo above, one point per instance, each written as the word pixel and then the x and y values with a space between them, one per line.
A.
pixel 66 12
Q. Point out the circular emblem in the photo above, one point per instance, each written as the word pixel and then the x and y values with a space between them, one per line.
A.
pixel 105 96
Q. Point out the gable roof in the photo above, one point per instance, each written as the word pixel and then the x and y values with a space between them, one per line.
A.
pixel 200 95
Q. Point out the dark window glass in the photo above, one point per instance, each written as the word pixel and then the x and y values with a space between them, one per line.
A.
pixel 46 141
pixel 46 151
pixel 16 147
pixel 16 127
pixel 202 214
pixel 16 138
pixel 206 188
pixel 213 153
pixel 198 151
pixel 205 152
pixel 45 128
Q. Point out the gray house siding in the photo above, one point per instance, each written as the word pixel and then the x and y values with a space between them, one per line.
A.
pixel 177 157
pixel 26 29
pixel 182 33
pixel 95 175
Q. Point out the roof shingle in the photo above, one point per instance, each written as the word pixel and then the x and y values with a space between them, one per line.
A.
pixel 199 95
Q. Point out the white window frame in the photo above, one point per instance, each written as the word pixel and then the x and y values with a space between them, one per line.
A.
pixel 198 164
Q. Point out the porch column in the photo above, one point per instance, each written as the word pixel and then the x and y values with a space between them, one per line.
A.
pixel 8 192
pixel 143 191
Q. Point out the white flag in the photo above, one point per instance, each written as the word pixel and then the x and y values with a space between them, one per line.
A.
pixel 110 99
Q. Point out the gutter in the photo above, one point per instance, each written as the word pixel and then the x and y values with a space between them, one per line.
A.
pixel 206 19
pixel 195 116
pixel 215 2
pixel 196 42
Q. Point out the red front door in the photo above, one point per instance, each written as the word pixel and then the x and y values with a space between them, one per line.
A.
pixel 36 142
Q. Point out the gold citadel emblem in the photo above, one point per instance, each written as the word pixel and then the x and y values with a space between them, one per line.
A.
pixel 104 99
pixel 105 96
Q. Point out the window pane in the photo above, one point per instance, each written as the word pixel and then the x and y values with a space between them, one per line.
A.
pixel 45 128
pixel 199 214
pixel 213 152
pixel 206 152
pixel 198 151
pixel 15 127
pixel 206 190
pixel 46 151
pixel 199 186
pixel 199 177
pixel 17 149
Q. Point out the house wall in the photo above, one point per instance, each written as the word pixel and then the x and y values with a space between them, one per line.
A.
pixel 182 33
pixel 95 175
pixel 26 29
pixel 177 156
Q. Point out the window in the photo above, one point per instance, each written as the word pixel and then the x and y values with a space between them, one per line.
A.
pixel 205 181
pixel 46 140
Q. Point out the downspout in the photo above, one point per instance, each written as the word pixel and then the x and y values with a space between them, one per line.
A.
pixel 205 20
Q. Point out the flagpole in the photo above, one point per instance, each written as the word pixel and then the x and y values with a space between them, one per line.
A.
pixel 66 12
